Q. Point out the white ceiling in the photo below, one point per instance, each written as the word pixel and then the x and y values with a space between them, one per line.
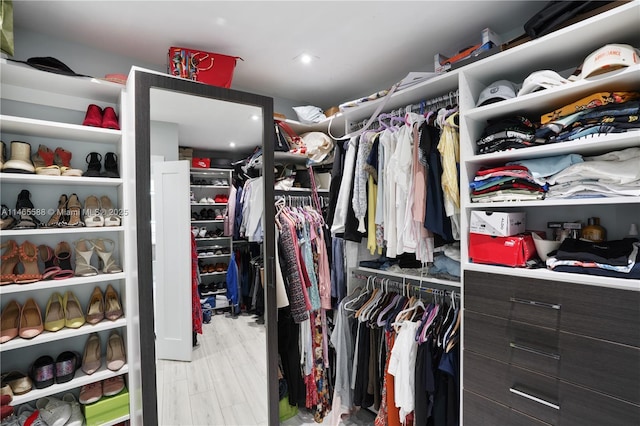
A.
pixel 360 47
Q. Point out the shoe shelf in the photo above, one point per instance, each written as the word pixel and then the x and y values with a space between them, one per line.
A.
pixel 213 239
pixel 79 380
pixel 54 284
pixel 116 421
pixel 208 204
pixel 211 186
pixel 208 221
pixel 32 179
pixel 68 230
pixel 212 256
pixel 213 293
pixel 210 274
pixel 51 336
pixel 56 130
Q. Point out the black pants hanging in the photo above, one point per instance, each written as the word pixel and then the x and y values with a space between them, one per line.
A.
pixel 289 350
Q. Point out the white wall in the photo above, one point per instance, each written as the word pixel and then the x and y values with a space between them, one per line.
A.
pixel 87 60
pixel 164 140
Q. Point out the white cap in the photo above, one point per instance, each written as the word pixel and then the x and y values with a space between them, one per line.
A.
pixel 543 79
pixel 318 145
pixel 609 58
pixel 497 91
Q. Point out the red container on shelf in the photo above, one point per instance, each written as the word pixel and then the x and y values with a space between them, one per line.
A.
pixel 210 68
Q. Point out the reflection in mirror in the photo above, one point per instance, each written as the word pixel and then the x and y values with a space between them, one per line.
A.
pixel 207 275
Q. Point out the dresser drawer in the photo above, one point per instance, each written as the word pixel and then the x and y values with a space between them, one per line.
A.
pixel 582 407
pixel 535 302
pixel 602 312
pixel 524 345
pixel 480 411
pixel 606 367
pixel 533 394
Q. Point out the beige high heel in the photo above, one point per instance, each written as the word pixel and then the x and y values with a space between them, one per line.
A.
pixel 112 306
pixel 95 308
pixel 111 217
pixel 116 356
pixel 84 253
pixel 109 264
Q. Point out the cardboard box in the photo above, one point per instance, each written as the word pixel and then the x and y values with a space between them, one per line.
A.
pixel 512 251
pixel 488 39
pixel 107 409
pixel 500 224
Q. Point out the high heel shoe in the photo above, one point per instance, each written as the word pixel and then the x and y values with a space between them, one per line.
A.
pixel 95 308
pixel 112 306
pixel 10 321
pixel 58 218
pixel 74 212
pixel 25 208
pixel 111 165
pixel 63 160
pixel 93 117
pixel 10 259
pixel 116 356
pixel 30 320
pixel 48 258
pixel 74 318
pixel 84 253
pixel 94 161
pixel 29 258
pixel 63 260
pixel 110 119
pixel 91 359
pixel 92 212
pixel 7 221
pixel 54 316
pixel 111 216
pixel 109 264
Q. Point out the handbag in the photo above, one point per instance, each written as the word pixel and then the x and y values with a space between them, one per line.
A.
pixel 210 68
pixel 556 13
pixel 295 142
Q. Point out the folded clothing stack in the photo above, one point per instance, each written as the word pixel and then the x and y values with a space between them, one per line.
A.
pixel 618 258
pixel 505 183
pixel 506 133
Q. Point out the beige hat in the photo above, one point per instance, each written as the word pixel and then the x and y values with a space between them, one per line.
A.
pixel 20 161
pixel 318 145
pixel 609 58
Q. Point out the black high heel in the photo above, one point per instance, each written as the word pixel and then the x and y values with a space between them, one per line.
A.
pixel 94 161
pixel 111 165
pixel 25 209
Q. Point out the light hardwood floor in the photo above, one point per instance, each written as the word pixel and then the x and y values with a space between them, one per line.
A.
pixel 225 383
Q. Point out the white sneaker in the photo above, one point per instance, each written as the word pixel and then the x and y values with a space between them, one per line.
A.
pixel 53 411
pixel 76 419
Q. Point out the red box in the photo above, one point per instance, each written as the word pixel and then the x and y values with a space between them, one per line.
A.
pixel 206 67
pixel 508 251
pixel 200 163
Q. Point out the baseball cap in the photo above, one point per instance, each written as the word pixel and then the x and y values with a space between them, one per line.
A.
pixel 609 58
pixel 543 79
pixel 497 91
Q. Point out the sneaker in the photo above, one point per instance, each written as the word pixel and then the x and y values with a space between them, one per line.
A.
pixel 53 411
pixel 90 393
pixel 218 214
pixel 76 419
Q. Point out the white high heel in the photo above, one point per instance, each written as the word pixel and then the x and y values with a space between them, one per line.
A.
pixel 92 212
pixel 111 216
pixel 84 253
pixel 109 264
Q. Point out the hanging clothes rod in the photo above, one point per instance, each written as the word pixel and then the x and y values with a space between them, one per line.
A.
pixel 408 284
pixel 449 99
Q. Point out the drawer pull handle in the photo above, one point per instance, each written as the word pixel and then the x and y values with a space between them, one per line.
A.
pixel 534 351
pixel 533 398
pixel 534 303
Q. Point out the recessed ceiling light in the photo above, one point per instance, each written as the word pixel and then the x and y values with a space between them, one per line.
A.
pixel 221 21
pixel 305 58
pixel 255 117
pixel 232 144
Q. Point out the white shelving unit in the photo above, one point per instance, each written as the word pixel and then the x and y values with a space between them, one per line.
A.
pixel 46 108
pixel 207 244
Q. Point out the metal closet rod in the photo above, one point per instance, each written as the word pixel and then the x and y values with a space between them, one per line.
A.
pixel 404 285
pixel 438 102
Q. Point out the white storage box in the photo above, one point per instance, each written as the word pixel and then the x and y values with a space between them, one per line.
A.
pixel 498 224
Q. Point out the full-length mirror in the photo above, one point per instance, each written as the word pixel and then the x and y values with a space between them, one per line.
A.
pixel 206 293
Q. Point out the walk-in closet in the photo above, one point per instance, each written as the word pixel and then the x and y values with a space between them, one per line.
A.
pixel 293 213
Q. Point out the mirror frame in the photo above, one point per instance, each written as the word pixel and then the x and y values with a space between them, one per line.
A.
pixel 144 82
